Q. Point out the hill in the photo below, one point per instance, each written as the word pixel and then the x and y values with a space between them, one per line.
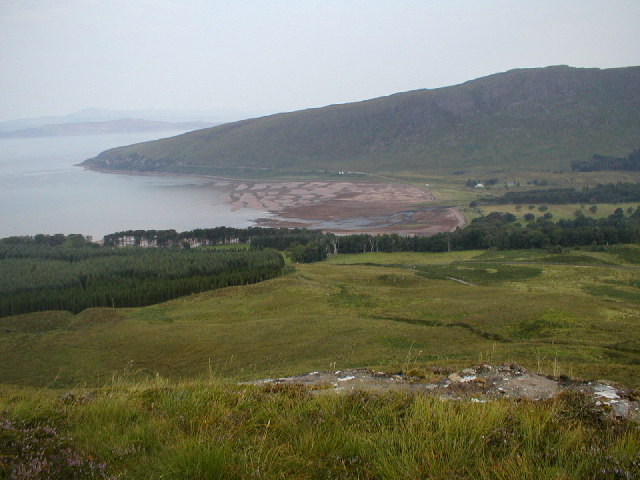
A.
pixel 123 125
pixel 541 118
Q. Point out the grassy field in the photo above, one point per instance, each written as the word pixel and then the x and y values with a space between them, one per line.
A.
pixel 574 313
pixel 450 190
pixel 559 212
pixel 151 392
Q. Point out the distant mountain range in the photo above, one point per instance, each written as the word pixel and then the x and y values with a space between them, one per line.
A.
pixel 123 125
pixel 214 117
pixel 541 118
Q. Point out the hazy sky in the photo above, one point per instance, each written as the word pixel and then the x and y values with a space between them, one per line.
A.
pixel 59 56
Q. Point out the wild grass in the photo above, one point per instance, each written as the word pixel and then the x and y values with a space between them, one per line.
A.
pixel 479 274
pixel 212 430
pixel 553 316
pixel 628 253
pixel 150 393
pixel 403 258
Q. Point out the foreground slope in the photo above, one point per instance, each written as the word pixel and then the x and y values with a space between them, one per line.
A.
pixel 531 118
pixel 208 430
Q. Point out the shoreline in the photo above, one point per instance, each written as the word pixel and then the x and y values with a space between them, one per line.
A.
pixel 225 179
pixel 337 206
pixel 153 174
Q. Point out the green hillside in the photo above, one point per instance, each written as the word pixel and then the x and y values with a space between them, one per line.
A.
pixel 151 392
pixel 528 119
pixel 572 313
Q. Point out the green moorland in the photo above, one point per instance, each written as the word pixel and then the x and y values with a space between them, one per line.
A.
pixel 576 311
pixel 151 392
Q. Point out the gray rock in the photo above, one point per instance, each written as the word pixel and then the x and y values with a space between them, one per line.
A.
pixel 621 408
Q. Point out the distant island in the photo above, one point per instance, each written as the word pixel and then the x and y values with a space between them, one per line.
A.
pixel 92 114
pixel 123 125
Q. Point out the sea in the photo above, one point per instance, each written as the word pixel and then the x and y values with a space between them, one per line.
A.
pixel 42 191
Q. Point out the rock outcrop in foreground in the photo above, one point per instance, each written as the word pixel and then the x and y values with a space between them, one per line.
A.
pixel 481 383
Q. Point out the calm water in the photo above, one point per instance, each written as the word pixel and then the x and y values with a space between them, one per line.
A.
pixel 42 192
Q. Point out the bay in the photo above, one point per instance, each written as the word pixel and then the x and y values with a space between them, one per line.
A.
pixel 41 191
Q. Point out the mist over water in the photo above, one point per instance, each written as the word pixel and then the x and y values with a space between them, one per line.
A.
pixel 41 191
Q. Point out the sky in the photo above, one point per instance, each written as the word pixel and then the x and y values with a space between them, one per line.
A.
pixel 61 56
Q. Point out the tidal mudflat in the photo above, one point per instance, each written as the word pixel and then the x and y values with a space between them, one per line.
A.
pixel 346 207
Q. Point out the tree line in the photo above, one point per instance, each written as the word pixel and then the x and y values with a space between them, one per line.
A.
pixel 191 238
pixel 608 193
pixel 596 163
pixel 496 230
pixel 502 231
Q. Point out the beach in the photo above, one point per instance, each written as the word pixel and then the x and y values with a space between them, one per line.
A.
pixel 344 206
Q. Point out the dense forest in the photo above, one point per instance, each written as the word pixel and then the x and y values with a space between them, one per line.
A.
pixel 630 163
pixel 35 276
pixel 608 193
pixel 504 231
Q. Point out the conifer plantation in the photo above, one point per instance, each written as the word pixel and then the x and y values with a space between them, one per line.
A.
pixel 36 276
